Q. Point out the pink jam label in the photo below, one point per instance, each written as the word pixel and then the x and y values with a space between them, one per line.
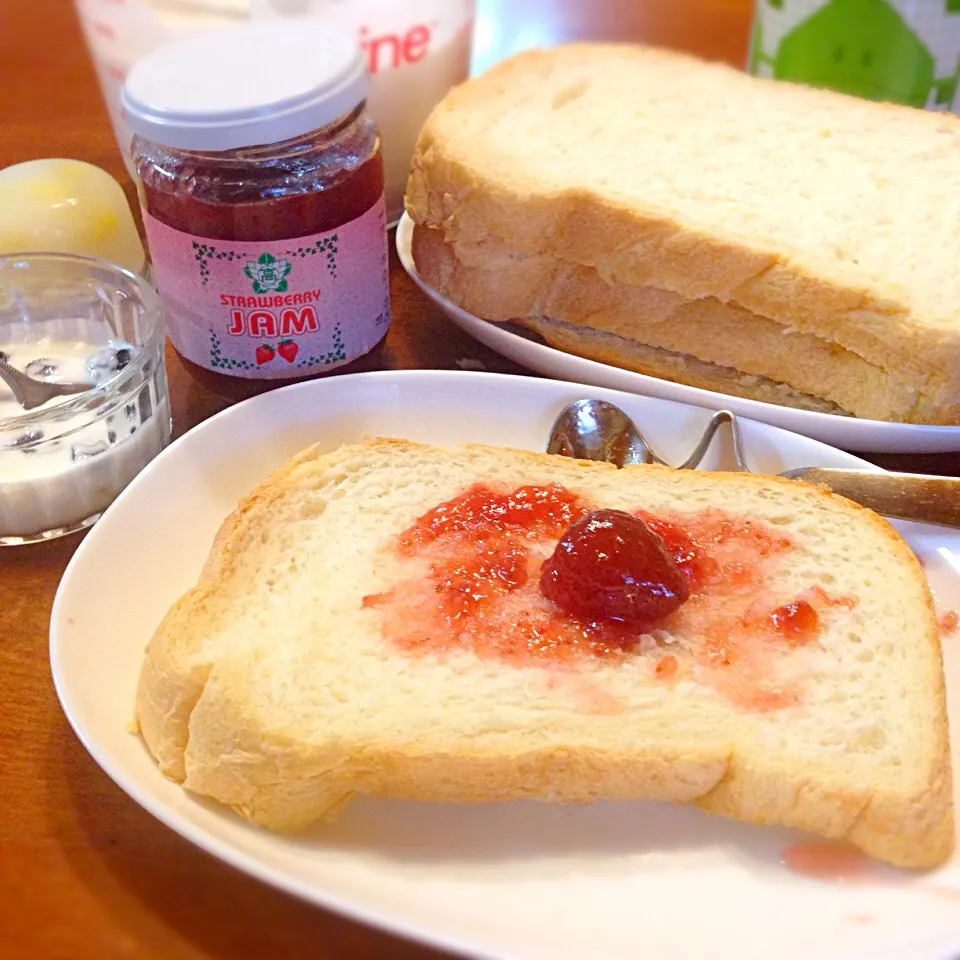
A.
pixel 281 308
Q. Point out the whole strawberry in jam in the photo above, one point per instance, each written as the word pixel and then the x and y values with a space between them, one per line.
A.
pixel 610 565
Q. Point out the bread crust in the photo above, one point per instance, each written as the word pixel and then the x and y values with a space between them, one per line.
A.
pixel 474 191
pixel 197 718
pixel 703 343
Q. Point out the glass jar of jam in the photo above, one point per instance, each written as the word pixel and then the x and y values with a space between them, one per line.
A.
pixel 262 191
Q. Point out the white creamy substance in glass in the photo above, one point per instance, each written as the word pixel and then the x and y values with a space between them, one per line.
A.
pixel 59 467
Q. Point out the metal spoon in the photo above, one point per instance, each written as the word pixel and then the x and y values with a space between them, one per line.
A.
pixel 597 430
pixel 31 393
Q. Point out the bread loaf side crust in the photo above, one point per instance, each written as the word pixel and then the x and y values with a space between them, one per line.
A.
pixel 196 718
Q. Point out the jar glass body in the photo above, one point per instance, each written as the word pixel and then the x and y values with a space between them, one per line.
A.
pixel 301 206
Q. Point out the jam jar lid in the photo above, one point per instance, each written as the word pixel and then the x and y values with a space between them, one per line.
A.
pixel 245 85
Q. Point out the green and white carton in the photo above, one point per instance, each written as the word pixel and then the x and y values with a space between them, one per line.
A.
pixel 904 51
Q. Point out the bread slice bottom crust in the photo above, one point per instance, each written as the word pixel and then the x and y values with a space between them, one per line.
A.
pixel 594 344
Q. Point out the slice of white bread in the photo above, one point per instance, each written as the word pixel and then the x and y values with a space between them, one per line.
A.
pixel 704 343
pixel 823 213
pixel 274 688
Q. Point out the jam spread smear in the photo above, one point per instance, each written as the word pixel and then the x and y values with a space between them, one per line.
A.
pixel 465 585
pixel 483 513
pixel 797 622
pixel 534 575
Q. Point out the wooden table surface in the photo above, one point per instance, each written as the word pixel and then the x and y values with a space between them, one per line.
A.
pixel 84 872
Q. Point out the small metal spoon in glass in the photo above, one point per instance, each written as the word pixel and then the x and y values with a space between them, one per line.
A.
pixel 31 393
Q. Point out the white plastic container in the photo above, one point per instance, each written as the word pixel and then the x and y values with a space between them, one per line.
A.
pixel 416 51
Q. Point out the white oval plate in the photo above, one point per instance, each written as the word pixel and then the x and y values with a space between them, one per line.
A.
pixel 519 880
pixel 848 433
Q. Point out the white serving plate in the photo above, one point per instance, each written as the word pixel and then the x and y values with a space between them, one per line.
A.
pixel 848 433
pixel 511 881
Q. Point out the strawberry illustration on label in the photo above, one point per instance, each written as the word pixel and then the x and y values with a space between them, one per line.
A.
pixel 265 353
pixel 288 350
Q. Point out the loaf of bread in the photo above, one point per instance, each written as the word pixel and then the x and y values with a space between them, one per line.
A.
pixel 329 648
pixel 683 219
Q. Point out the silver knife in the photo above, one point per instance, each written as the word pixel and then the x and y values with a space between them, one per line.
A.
pixel 906 496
